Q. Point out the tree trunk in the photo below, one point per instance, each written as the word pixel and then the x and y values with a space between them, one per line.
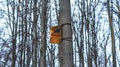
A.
pixel 43 34
pixel 35 38
pixel 112 34
pixel 14 34
pixel 94 39
pixel 65 48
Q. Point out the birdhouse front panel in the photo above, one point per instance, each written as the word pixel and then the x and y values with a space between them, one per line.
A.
pixel 55 35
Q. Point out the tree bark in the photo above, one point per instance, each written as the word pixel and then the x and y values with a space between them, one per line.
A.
pixel 65 48
pixel 112 34
pixel 35 38
pixel 14 34
pixel 43 34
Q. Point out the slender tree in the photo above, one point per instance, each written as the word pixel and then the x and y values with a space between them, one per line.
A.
pixel 43 32
pixel 14 34
pixel 112 33
pixel 35 35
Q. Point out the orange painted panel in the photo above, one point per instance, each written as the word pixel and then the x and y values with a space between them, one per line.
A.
pixel 55 35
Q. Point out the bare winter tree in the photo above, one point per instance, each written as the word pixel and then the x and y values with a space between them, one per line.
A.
pixel 65 48
pixel 35 35
pixel 90 33
pixel 44 34
pixel 112 33
pixel 14 32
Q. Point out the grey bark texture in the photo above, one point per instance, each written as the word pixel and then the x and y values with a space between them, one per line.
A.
pixel 65 48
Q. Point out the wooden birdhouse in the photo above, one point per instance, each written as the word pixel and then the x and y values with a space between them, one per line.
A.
pixel 55 37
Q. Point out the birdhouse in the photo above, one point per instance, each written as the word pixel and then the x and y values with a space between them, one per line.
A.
pixel 55 37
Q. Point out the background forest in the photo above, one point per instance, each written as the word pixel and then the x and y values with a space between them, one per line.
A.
pixel 25 33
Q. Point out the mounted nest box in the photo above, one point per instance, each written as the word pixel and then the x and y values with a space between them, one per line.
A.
pixel 55 32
